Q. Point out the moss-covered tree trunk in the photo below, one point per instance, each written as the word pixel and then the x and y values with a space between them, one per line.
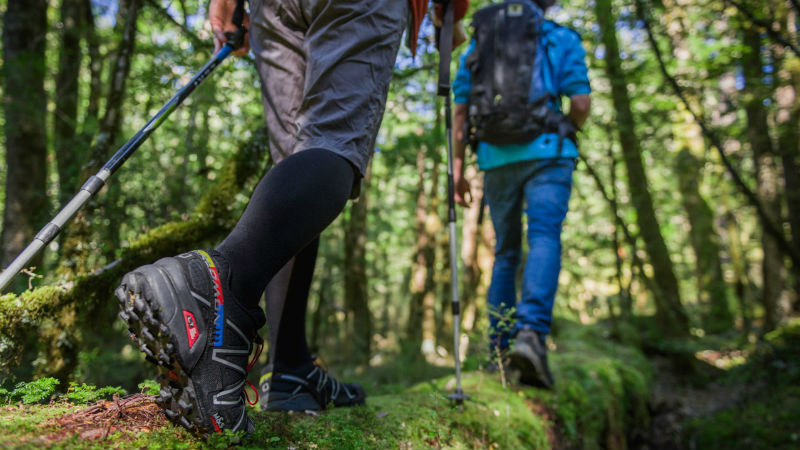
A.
pixel 669 310
pixel 765 163
pixel 711 285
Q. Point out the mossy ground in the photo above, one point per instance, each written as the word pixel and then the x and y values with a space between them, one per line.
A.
pixel 598 401
pixel 767 416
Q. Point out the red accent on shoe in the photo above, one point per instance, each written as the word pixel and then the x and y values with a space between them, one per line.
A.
pixel 192 333
pixel 216 427
pixel 259 348
pixel 248 397
pixel 173 375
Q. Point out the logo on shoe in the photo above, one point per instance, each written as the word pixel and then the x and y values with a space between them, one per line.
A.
pixel 219 302
pixel 265 379
pixel 218 422
pixel 192 333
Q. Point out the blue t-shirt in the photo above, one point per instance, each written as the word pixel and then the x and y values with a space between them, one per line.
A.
pixel 564 74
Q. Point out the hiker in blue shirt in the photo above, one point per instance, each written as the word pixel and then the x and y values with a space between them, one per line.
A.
pixel 528 158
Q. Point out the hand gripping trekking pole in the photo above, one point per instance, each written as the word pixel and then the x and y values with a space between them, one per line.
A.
pixel 97 181
pixel 445 56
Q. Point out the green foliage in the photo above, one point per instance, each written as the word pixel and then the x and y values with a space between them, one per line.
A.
pixel 83 393
pixel 35 391
pixel 150 387
pixel 225 440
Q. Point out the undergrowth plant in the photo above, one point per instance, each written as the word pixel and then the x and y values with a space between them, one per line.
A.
pixel 36 391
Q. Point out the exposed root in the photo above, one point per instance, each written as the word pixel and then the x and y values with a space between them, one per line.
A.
pixel 135 413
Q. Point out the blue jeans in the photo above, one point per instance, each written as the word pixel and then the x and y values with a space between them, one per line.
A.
pixel 543 186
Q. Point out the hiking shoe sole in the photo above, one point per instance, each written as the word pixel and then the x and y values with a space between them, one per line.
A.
pixel 525 359
pixel 147 319
pixel 279 401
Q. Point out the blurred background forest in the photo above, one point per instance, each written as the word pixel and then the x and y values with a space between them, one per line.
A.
pixel 683 235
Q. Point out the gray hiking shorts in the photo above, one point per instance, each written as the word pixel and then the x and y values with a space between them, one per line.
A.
pixel 325 68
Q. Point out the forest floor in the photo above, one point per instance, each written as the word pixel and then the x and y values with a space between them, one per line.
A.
pixel 608 395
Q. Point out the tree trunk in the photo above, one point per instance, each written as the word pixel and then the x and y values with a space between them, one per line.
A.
pixel 90 121
pixel 741 282
pixel 711 286
pixel 65 118
pixel 76 244
pixel 670 313
pixel 766 174
pixel 433 226
pixel 25 110
pixel 422 273
pixel 359 327
pixel 788 116
pixel 471 241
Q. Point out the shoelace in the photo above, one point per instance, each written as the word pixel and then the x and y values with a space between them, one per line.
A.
pixel 323 379
pixel 259 348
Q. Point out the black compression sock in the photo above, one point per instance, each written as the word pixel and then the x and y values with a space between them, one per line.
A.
pixel 291 347
pixel 299 370
pixel 292 204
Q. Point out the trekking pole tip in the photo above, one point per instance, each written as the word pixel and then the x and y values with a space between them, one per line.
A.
pixel 458 396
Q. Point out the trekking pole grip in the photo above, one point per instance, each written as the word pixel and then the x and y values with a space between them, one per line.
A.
pixel 236 38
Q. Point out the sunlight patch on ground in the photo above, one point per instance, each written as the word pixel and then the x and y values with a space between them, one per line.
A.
pixel 722 359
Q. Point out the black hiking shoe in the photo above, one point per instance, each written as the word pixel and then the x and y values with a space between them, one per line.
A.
pixel 283 391
pixel 529 356
pixel 186 321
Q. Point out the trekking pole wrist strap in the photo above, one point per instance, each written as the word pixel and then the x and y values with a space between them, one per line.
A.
pixel 235 39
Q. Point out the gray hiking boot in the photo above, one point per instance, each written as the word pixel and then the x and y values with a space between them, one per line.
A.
pixel 529 356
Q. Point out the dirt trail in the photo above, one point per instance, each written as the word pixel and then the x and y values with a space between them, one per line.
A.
pixel 674 400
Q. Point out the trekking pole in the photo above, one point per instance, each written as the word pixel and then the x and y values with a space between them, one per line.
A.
pixel 97 181
pixel 445 56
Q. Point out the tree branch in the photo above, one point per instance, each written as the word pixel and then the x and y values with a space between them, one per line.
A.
pixel 196 41
pixel 765 220
pixel 410 72
pixel 767 26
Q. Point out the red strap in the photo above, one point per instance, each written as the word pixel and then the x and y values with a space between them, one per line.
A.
pixel 259 348
pixel 248 397
pixel 418 10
